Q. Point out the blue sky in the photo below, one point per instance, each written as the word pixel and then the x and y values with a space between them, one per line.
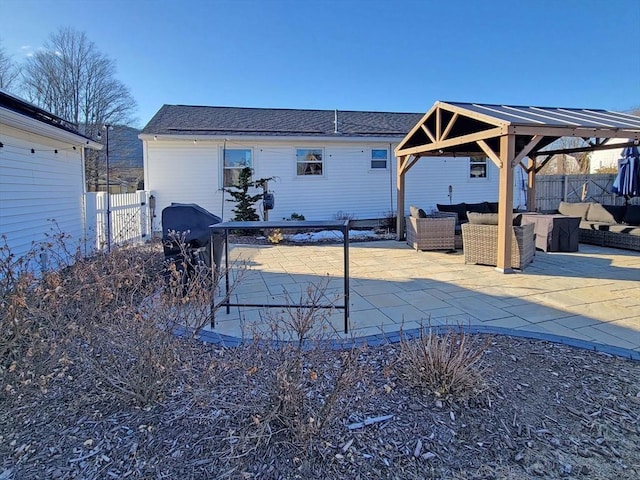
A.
pixel 391 55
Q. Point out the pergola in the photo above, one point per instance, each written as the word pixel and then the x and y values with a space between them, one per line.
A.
pixel 510 136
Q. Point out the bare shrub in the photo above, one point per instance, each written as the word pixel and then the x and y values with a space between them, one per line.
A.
pixel 15 323
pixel 443 365
pixel 389 221
pixel 131 358
pixel 306 385
pixel 188 298
pixel 342 216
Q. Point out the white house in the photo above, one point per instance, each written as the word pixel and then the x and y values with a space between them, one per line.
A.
pixel 41 177
pixel 325 162
pixel 606 158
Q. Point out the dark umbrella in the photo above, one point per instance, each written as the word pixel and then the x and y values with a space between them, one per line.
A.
pixel 627 183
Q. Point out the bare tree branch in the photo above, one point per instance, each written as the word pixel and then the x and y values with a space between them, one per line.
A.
pixel 8 71
pixel 75 81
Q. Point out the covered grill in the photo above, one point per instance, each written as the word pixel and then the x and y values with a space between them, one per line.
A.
pixel 191 239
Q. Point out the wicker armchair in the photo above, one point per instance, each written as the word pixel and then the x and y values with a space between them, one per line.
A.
pixel 481 244
pixel 433 232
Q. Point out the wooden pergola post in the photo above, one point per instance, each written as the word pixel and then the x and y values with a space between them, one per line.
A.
pixel 505 203
pixel 400 174
pixel 531 184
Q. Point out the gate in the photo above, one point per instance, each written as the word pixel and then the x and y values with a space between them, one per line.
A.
pixel 130 219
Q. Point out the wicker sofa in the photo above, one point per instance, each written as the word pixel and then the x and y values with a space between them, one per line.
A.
pixel 430 231
pixel 461 211
pixel 480 240
pixel 616 226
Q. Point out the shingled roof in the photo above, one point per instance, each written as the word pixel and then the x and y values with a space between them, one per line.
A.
pixel 219 121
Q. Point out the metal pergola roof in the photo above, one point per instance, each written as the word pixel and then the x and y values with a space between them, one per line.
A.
pixel 507 135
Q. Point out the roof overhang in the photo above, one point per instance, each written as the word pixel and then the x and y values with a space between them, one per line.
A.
pixel 270 138
pixel 22 122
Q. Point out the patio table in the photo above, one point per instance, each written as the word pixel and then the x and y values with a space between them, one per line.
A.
pixel 554 233
pixel 224 227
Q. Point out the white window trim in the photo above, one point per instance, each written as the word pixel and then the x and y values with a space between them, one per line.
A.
pixel 478 179
pixel 221 162
pixel 388 160
pixel 307 177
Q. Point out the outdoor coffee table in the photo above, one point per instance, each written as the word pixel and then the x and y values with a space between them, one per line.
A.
pixel 554 233
pixel 224 228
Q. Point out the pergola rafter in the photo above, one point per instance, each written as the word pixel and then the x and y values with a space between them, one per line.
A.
pixel 507 135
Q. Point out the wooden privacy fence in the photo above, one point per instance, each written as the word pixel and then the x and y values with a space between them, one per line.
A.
pixel 130 218
pixel 553 189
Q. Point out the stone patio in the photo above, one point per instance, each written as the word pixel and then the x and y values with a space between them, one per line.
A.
pixel 589 297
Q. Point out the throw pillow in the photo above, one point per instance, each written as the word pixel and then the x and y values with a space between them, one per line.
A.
pixel 491 218
pixel 574 209
pixel 632 215
pixel 600 213
pixel 416 212
pixel 483 218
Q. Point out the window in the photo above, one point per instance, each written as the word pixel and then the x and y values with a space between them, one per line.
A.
pixel 478 167
pixel 379 158
pixel 309 161
pixel 234 161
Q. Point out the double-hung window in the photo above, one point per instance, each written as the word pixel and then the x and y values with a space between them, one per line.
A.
pixel 379 158
pixel 478 167
pixel 235 159
pixel 309 161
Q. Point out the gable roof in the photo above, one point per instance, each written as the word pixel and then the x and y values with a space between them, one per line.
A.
pixel 451 128
pixel 192 120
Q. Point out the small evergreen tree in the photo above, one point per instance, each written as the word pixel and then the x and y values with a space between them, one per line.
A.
pixel 245 210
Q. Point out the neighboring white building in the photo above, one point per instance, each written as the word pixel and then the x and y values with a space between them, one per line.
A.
pixel 324 162
pixel 606 158
pixel 41 177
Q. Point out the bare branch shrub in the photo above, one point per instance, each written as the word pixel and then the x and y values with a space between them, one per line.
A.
pixel 306 385
pixel 443 365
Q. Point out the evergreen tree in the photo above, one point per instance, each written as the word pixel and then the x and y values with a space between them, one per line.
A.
pixel 245 210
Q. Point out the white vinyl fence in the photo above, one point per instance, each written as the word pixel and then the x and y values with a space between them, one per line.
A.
pixel 130 218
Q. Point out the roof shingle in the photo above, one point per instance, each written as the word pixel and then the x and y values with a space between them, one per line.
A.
pixel 203 120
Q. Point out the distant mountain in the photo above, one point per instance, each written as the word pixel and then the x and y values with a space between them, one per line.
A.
pixel 125 148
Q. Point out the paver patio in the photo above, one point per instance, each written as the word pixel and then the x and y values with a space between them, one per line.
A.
pixel 591 295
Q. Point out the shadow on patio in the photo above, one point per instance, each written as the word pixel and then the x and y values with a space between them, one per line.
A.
pixel 588 296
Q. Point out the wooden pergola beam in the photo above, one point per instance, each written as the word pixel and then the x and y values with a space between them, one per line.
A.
pixel 451 142
pixel 449 126
pixel 549 131
pixel 428 132
pixel 598 146
pixel 527 149
pixel 490 153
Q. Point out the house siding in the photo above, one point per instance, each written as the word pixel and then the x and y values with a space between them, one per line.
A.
pixel 183 171
pixel 40 193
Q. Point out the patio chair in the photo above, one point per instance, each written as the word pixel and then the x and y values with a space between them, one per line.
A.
pixel 430 231
pixel 480 244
